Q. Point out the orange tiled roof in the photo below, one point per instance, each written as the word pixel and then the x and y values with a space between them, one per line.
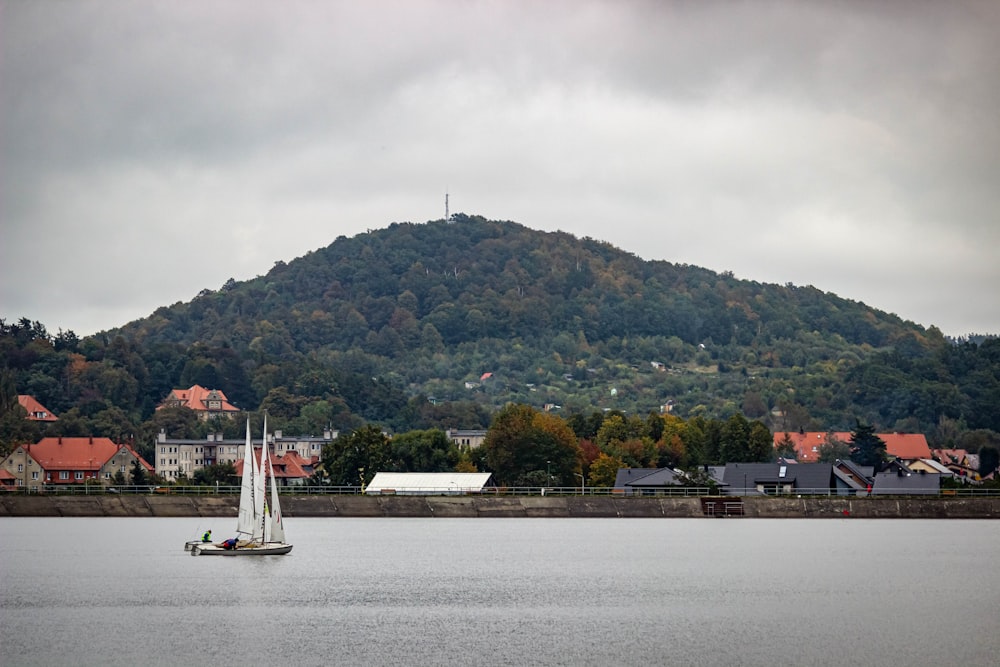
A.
pixel 36 411
pixel 197 397
pixel 289 466
pixel 959 456
pixel 902 445
pixel 72 453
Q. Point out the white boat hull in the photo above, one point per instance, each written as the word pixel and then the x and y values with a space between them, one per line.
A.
pixel 268 549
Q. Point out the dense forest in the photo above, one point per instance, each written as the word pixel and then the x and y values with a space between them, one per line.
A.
pixel 441 325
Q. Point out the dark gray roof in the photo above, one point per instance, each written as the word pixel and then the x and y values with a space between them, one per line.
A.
pixel 803 476
pixel 644 477
pixel 893 483
pixel 627 475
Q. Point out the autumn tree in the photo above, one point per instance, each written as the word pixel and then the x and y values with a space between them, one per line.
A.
pixel 522 442
pixel 604 471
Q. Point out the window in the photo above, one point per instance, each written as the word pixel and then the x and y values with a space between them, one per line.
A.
pixel 34 475
pixel 20 467
pixel 78 475
pixel 122 469
pixel 63 474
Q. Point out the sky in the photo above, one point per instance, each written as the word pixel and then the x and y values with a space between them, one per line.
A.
pixel 150 150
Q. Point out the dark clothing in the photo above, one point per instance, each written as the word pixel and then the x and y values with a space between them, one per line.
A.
pixel 229 544
pixel 207 537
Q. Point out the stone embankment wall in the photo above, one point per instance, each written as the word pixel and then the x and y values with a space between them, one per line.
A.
pixel 166 505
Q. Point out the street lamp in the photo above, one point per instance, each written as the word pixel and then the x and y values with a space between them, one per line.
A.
pixel 583 482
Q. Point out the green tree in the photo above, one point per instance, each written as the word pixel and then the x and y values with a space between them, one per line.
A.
pixel 223 473
pixel 867 448
pixel 138 475
pixel 989 459
pixel 786 448
pixel 833 449
pixel 354 459
pixel 424 451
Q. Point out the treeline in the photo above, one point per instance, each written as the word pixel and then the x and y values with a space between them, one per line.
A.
pixel 527 447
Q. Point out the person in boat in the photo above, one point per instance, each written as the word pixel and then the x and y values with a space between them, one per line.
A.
pixel 229 544
pixel 207 537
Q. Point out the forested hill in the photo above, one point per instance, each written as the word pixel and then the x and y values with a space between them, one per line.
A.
pixel 437 325
pixel 428 308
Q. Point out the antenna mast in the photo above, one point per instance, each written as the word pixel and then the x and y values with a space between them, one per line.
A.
pixel 446 206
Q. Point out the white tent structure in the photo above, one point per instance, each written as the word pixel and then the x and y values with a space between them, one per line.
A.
pixel 429 483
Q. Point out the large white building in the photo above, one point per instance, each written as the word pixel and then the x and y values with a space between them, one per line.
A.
pixel 176 458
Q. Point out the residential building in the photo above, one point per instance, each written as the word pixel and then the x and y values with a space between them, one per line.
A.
pixel 470 438
pixel 36 411
pixel 206 403
pixel 66 461
pixel 181 458
pixel 906 446
pixel 962 464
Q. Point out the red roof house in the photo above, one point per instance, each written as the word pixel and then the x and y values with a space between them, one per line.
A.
pixel 206 402
pixel 906 446
pixel 289 470
pixel 36 411
pixel 63 460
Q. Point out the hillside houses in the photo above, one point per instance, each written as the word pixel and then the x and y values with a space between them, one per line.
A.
pixel 36 411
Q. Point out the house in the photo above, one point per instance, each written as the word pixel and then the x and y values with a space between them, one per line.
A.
pixel 896 478
pixel 906 446
pixel 206 402
pixel 177 458
pixel 429 483
pixel 470 438
pixel 36 411
pixel 930 465
pixel 842 478
pixel 959 462
pixel 65 461
pixel 645 481
pixel 288 470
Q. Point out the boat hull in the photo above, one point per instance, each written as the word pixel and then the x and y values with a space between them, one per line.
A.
pixel 270 549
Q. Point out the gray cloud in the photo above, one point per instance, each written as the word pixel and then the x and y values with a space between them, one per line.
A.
pixel 150 150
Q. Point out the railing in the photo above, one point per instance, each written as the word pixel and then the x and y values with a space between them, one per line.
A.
pixel 561 491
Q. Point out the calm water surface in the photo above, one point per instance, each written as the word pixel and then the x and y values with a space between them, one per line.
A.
pixel 504 592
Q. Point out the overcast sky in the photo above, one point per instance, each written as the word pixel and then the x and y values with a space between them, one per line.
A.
pixel 149 150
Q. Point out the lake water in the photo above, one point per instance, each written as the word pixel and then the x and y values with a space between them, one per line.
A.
pixel 104 591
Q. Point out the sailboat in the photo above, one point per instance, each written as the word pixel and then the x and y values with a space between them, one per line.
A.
pixel 259 526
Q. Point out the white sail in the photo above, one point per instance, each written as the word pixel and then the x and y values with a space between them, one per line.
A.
pixel 277 528
pixel 246 520
pixel 258 490
pixel 265 460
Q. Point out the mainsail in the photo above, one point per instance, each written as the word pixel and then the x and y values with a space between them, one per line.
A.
pixel 277 528
pixel 246 521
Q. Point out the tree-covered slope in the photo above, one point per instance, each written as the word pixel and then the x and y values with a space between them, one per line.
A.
pixel 440 324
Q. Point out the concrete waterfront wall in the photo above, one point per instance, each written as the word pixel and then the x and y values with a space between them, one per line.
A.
pixel 166 505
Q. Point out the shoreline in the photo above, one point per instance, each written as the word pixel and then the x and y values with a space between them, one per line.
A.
pixel 332 506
